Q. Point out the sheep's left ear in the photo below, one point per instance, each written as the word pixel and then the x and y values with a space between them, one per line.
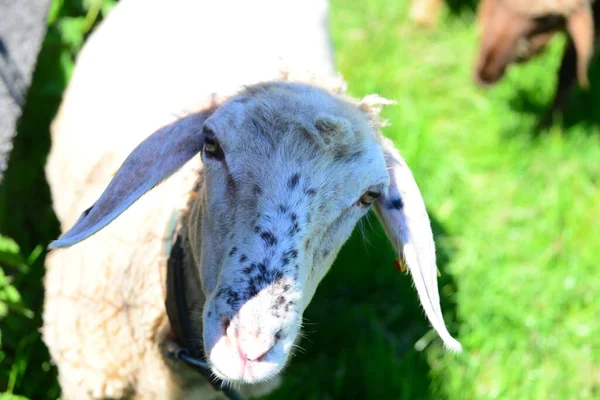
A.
pixel 150 163
pixel 404 217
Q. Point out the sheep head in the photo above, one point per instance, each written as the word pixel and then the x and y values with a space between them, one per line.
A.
pixel 509 34
pixel 289 169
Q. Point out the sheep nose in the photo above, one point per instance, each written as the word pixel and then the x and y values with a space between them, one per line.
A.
pixel 251 345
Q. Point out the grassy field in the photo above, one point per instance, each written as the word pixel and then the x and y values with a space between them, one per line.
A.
pixel 514 210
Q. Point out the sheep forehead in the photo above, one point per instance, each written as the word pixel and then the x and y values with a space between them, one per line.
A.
pixel 272 128
pixel 269 114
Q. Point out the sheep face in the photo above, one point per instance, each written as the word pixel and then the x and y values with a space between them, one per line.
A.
pixel 289 169
pixel 285 181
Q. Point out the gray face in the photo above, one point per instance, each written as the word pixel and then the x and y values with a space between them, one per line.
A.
pixel 284 187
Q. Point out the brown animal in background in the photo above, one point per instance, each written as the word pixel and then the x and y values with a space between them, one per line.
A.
pixel 514 31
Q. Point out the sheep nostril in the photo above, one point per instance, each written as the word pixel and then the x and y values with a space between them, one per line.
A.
pixel 277 337
pixel 256 348
pixel 225 322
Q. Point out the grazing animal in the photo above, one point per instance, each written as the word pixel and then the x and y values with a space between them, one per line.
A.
pixel 514 31
pixel 248 188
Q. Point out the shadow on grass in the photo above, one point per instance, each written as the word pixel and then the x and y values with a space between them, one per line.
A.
pixel 581 107
pixel 362 326
pixel 458 6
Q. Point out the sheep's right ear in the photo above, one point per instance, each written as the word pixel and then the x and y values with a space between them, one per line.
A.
pixel 151 162
pixel 580 26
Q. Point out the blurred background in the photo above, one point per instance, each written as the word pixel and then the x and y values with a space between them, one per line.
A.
pixel 514 202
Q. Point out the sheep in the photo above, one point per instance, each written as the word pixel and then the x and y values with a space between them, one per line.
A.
pixel 515 31
pixel 257 180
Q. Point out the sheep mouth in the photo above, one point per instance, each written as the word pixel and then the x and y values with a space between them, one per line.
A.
pixel 252 345
pixel 229 362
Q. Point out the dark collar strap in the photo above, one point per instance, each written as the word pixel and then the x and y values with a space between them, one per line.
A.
pixel 183 348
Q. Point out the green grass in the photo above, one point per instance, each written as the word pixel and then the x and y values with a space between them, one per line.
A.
pixel 515 214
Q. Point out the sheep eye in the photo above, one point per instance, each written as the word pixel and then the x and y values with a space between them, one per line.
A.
pixel 211 145
pixel 369 197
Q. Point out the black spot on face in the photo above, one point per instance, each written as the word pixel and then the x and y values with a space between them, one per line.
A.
pixel 256 229
pixel 251 290
pixel 243 258
pixel 395 204
pixel 269 238
pixel 307 244
pixel 280 300
pixel 233 251
pixel 257 190
pixel 293 182
pixel 262 269
pixel 292 253
pixel 209 314
pixel 277 276
pixel 354 156
pixel 325 253
pixel 282 209
pixel 294 230
pixel 231 297
pixel 294 217
pixel 310 192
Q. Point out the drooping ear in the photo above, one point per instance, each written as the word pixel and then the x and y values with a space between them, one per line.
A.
pixel 580 26
pixel 151 162
pixel 404 217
